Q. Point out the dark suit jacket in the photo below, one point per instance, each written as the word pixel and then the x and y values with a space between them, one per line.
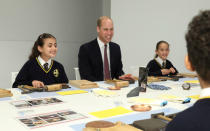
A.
pixel 195 118
pixel 91 64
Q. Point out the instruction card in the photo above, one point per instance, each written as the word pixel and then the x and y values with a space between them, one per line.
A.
pixel 41 120
pixel 35 102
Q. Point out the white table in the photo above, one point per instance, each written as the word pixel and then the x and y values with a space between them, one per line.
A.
pixel 84 104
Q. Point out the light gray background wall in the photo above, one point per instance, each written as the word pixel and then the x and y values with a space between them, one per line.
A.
pixel 140 24
pixel 72 22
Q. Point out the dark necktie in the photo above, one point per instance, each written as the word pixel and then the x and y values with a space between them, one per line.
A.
pixel 106 65
pixel 46 66
pixel 164 64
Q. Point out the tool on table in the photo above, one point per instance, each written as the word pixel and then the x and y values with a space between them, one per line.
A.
pixel 141 107
pixel 143 73
pixel 83 84
pixel 55 87
pixel 118 83
pixel 161 116
pixel 190 75
pixel 186 86
pixel 184 101
pixel 172 77
pixel 5 93
pixel 157 122
pixel 108 126
pixel 175 99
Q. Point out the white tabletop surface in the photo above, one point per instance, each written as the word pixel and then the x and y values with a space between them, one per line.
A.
pixel 84 104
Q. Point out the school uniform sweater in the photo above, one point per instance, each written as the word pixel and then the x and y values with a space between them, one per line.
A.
pixel 33 70
pixel 154 68
pixel 195 118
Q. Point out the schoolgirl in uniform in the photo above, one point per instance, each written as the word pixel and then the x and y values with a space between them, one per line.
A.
pixel 41 69
pixel 160 66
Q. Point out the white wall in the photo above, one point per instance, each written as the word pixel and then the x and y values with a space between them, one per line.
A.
pixel 140 24
pixel 72 22
pixel 106 7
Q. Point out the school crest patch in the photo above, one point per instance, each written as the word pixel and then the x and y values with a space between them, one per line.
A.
pixel 56 73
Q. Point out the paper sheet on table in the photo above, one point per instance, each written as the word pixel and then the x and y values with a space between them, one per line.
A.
pixel 105 93
pixel 174 98
pixel 111 112
pixel 192 81
pixel 72 92
pixel 194 97
pixel 168 96
pixel 141 100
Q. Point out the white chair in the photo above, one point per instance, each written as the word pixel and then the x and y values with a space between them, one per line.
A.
pixel 134 70
pixel 13 77
pixel 76 72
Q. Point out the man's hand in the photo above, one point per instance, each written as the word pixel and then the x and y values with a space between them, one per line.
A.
pixel 127 77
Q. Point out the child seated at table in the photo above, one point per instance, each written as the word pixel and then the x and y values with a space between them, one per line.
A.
pixel 196 118
pixel 160 65
pixel 41 69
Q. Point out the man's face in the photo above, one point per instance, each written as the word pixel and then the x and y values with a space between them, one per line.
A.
pixel 105 31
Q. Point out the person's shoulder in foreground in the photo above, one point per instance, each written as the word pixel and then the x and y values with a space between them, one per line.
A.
pixel 196 118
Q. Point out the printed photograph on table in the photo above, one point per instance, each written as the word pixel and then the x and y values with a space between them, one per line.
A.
pixel 52 118
pixel 47 119
pixel 35 102
pixel 33 122
pixel 70 115
pixel 21 104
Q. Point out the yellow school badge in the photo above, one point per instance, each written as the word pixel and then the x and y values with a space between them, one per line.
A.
pixel 56 73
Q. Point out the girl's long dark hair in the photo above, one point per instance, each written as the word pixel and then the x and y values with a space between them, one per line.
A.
pixel 39 42
pixel 158 44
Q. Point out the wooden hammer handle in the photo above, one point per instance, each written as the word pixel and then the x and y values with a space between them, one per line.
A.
pixel 164 118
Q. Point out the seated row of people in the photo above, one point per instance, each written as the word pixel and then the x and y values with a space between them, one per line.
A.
pixel 99 59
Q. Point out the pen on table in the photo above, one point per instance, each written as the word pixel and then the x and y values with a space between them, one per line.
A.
pixel 187 100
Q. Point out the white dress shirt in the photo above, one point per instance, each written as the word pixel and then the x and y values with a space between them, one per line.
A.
pixel 205 92
pixel 101 46
pixel 42 62
pixel 160 61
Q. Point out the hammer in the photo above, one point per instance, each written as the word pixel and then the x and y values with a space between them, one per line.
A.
pixel 161 116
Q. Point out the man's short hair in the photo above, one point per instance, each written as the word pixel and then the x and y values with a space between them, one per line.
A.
pixel 100 19
pixel 198 44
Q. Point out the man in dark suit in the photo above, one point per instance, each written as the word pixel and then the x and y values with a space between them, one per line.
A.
pixel 196 118
pixel 100 59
